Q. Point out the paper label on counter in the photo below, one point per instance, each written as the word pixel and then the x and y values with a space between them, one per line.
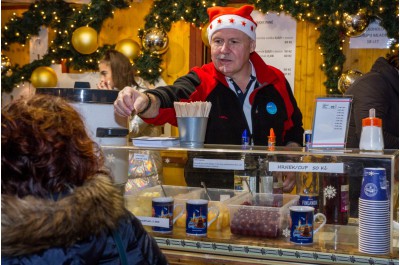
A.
pixel 224 197
pixel 141 157
pixel 218 164
pixel 154 221
pixel 306 167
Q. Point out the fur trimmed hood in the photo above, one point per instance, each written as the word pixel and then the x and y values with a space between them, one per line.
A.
pixel 33 224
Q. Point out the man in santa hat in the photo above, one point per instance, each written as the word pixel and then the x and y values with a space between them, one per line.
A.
pixel 245 92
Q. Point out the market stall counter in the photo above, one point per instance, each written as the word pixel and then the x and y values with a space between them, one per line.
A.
pixel 258 227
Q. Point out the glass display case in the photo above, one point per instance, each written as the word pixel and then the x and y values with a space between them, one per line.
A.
pixel 337 242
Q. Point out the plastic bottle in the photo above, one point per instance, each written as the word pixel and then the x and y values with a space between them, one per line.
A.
pixel 371 133
pixel 245 139
pixel 271 140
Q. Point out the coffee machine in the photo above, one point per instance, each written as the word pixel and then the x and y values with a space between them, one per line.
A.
pixel 107 129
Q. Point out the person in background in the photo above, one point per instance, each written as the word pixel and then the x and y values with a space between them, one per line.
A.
pixel 378 89
pixel 117 72
pixel 245 92
pixel 58 202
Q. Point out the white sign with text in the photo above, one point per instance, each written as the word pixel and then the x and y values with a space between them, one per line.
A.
pixel 276 41
pixel 306 167
pixel 374 37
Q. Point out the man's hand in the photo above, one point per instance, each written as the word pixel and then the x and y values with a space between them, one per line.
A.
pixel 129 102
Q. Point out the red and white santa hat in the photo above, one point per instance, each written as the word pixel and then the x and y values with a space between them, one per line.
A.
pixel 231 18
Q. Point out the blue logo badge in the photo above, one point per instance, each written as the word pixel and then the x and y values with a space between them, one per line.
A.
pixel 271 108
pixel 370 189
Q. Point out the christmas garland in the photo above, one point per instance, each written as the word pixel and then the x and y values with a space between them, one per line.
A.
pixel 58 15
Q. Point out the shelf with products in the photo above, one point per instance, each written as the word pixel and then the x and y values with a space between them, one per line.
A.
pixel 336 243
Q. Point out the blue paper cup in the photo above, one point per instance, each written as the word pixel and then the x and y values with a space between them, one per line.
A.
pixel 374 185
pixel 163 209
pixel 197 217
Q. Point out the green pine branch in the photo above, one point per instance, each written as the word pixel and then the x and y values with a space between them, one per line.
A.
pixel 163 13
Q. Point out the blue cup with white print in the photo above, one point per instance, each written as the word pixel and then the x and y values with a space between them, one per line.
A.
pixel 374 186
pixel 163 210
pixel 302 220
pixel 197 217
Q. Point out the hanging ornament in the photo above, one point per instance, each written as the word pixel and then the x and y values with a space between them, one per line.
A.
pixel 155 40
pixel 44 76
pixel 204 35
pixel 347 79
pixel 355 25
pixel 84 40
pixel 129 48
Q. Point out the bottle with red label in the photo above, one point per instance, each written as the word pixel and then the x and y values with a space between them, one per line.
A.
pixel 335 199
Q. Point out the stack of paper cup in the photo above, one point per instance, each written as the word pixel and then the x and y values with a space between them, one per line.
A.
pixel 374 213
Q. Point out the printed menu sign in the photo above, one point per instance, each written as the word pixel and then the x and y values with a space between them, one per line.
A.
pixel 375 37
pixel 276 41
pixel 331 119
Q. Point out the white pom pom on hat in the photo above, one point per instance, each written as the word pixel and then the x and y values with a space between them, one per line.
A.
pixel 231 18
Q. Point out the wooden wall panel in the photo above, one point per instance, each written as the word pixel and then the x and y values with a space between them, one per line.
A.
pixel 361 59
pixel 309 77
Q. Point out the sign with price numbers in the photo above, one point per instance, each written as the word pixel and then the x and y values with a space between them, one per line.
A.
pixel 375 37
pixel 306 167
pixel 331 120
pixel 276 41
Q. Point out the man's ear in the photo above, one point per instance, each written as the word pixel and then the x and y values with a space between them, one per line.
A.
pixel 252 46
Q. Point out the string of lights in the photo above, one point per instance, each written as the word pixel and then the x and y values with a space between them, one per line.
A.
pixel 63 18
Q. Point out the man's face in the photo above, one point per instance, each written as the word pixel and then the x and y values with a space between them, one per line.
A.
pixel 230 51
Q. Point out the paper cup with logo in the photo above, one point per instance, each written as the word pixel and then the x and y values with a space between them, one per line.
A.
pixel 374 185
pixel 163 208
pixel 197 217
pixel 302 220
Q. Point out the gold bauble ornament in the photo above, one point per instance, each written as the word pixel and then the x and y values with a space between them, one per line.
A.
pixel 355 25
pixel 129 48
pixel 155 40
pixel 204 35
pixel 84 40
pixel 44 76
pixel 347 79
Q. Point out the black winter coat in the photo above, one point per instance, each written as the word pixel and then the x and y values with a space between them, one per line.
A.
pixel 377 89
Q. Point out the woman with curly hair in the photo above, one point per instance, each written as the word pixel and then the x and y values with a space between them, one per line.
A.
pixel 58 202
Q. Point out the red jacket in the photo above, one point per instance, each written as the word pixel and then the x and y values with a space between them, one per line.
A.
pixel 273 105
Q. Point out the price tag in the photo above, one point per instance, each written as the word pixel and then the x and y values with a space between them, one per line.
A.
pixel 218 164
pixel 306 167
pixel 141 157
pixel 154 221
pixel 224 197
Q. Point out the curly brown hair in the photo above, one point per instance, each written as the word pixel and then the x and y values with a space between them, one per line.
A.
pixel 45 147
